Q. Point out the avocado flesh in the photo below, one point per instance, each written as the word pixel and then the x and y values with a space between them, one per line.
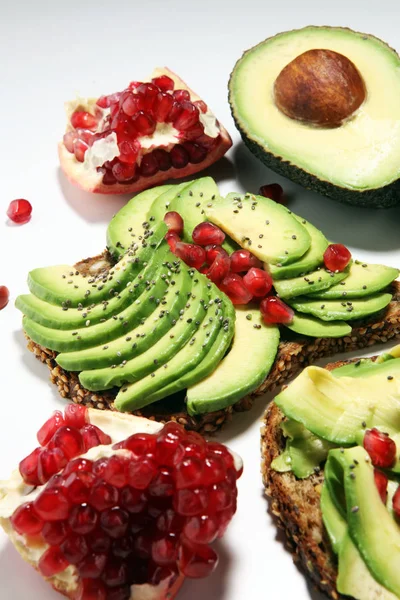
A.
pixel 162 204
pixel 333 519
pixel 159 353
pixel 262 226
pixel 312 259
pixel 126 226
pixel 357 162
pixel 306 450
pixel 362 280
pixel 243 369
pixel 311 282
pixel 329 310
pixel 313 327
pixel 138 340
pixel 188 356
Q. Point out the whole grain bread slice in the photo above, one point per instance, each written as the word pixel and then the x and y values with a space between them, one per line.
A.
pixel 294 353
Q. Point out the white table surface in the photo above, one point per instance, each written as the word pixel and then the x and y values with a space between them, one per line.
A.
pixel 50 51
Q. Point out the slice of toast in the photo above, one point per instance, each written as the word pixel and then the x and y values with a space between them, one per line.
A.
pixel 294 353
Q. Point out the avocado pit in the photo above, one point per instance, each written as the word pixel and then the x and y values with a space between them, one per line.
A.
pixel 320 87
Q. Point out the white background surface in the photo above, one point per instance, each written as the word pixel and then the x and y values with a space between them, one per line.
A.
pixel 49 51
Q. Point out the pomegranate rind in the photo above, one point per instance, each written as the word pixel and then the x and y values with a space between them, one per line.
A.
pixel 92 181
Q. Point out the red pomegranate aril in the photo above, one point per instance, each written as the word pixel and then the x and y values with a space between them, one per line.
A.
pixel 216 449
pixel 91 589
pixel 133 500
pixel 380 447
pixel 233 286
pixel 172 240
pixel 206 233
pixel 78 486
pixel 99 541
pixel 142 544
pixel 28 467
pixel 188 117
pixel 381 482
pixel 164 551
pixel 80 148
pixel 336 257
pixel 55 533
pixel 69 441
pixel 214 471
pixel 19 211
pixel 162 484
pixel 93 436
pixel 220 497
pixel 191 254
pixel 83 519
pixel 25 520
pixel 273 191
pixel 219 269
pixel 197 560
pixel 179 157
pixel 52 562
pixel 202 106
pixel 163 104
pixel 396 502
pixel 103 102
pixel 84 120
pixel 4 296
pixel 74 548
pixel 258 282
pixel 49 428
pixel 84 135
pixel 147 89
pixel 114 521
pixel 148 165
pixel 243 260
pixel 115 573
pixel 139 444
pixel 196 152
pixel 163 159
pixel 129 151
pixel 273 310
pixel 115 471
pixel 52 505
pixel 76 415
pixel 181 95
pixel 164 82
pixel 144 124
pixel 190 503
pixel 170 522
pixel 77 465
pixel 174 222
pixel 50 462
pixel 69 139
pixel 92 565
pixel 201 530
pixel 169 449
pixel 103 496
pixel 123 546
pixel 224 517
pixel 108 178
pixel 132 103
pixel 212 251
pixel 140 473
pixel 174 112
pixel 195 132
pixel 123 171
pixel 195 445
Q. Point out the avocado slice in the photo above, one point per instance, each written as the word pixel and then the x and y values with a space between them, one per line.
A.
pixel 329 310
pixel 266 228
pixel 363 280
pixel 306 450
pixel 334 520
pixel 246 365
pixel 312 259
pixel 126 225
pixel 311 282
pixel 357 162
pixel 310 326
pixel 162 204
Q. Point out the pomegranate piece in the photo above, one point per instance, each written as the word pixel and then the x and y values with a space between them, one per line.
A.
pixel 4 296
pixel 396 502
pixel 49 428
pixel 380 447
pixel 233 286
pixel 273 191
pixel 336 257
pixel 174 222
pixel 191 254
pixel 206 233
pixel 84 120
pixel 258 282
pixel 243 260
pixel 19 211
pixel 219 269
pixel 381 482
pixel 274 310
pixel 212 251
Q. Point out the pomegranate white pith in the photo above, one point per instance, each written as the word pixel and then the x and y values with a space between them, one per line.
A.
pixel 16 496
pixel 89 167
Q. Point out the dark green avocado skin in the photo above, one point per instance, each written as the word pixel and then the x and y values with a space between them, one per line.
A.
pixel 384 197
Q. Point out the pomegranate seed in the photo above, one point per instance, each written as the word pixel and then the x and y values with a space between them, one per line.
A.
pixel 142 545
pixel 129 152
pixel 179 157
pixel 201 530
pixel 212 251
pixel 19 211
pixel 219 269
pixel 174 112
pixel 133 500
pixel 243 260
pixel 164 551
pixel 273 191
pixel 134 85
pixel 216 449
pixel 380 447
pixel 225 517
pixel 123 171
pixel 190 503
pixel 203 269
pixel 196 132
pixel 170 522
pixel 274 310
pixel 202 106
pixel 123 546
pixel 50 462
pixel 78 485
pixel 396 502
pixel 220 497
pixel 69 440
pixel 91 589
pixel 197 560
pixel 54 533
pixel 233 286
pixel 74 548
pixel 79 464
pixel 139 444
pixel 141 473
pixel 214 471
pixel 83 519
pixel 103 102
pixel 169 449
pixel 381 482
pixel 147 89
pixel 4 296
pixel 49 428
pixel 76 415
pixel 162 106
pixel 115 573
pixel 28 468
pixel 172 239
pixel 83 119
pixel 196 152
pixel 26 521
pixel 84 135
pixel 148 165
pixel 94 436
pixel 143 123
pixel 108 179
pixel 115 522
pixel 92 565
pixel 163 159
pixel 195 445
pixel 52 562
pixel 114 473
pixel 174 222
pixel 163 484
pixel 191 254
pixel 336 257
pixel 69 139
pixel 80 148
pixel 188 116
pixel 164 82
pixel 132 103
pixel 99 541
pixel 52 505
pixel 258 282
pixel 181 95
pixel 207 233
pixel 103 495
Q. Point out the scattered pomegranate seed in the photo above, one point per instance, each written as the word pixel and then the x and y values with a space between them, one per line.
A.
pixel 84 120
pixel 381 482
pixel 4 296
pixel 26 521
pixel 396 502
pixel 380 447
pixel 49 428
pixel 179 157
pixel 52 562
pixel 191 254
pixel 219 268
pixel 19 211
pixel 212 251
pixel 174 222
pixel 273 191
pixel 336 257
pixel 181 95
pixel 172 239
pixel 206 233
pixel 233 286
pixel 243 260
pixel 258 282
pixel 274 310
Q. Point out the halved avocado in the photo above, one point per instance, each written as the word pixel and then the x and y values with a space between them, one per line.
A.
pixel 356 162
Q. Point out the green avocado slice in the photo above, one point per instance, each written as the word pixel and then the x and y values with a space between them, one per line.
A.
pixel 242 370
pixel 329 310
pixel 363 280
pixel 313 327
pixel 311 259
pixel 158 354
pixel 320 279
pixel 261 225
pixel 163 204
pixel 334 520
